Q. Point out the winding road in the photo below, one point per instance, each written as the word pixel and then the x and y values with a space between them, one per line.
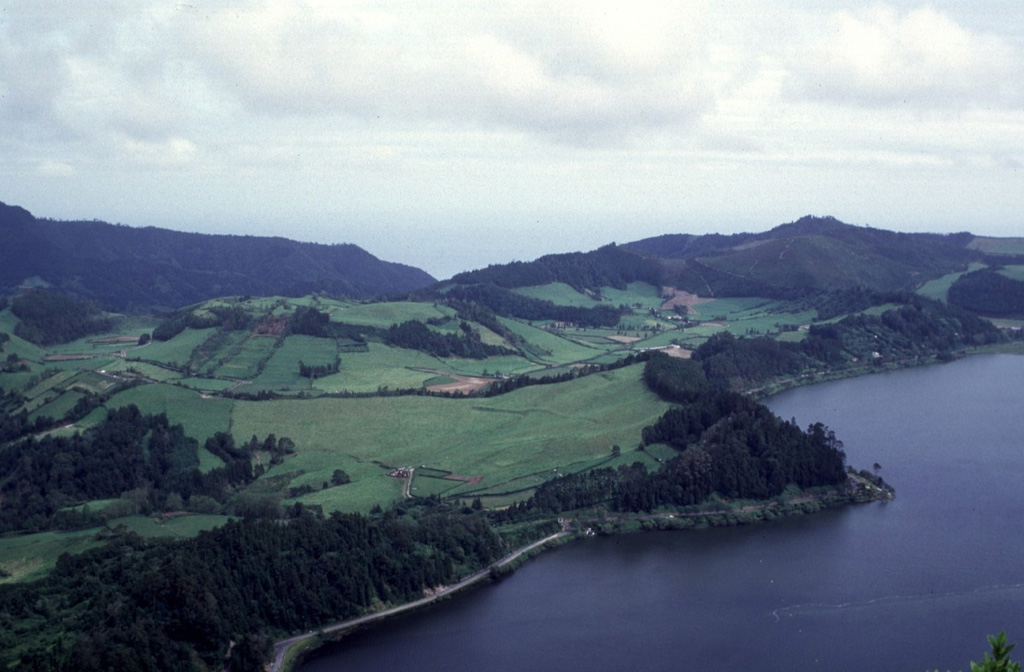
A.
pixel 281 647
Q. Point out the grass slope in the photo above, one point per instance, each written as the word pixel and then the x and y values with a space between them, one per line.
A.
pixel 535 430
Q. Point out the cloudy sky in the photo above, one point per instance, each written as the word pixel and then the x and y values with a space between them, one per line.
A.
pixel 450 135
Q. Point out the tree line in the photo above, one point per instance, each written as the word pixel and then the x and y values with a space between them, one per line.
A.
pixel 142 461
pixel 220 600
pixel 48 318
pixel 728 443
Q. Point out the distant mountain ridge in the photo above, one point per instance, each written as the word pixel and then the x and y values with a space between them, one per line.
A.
pixel 138 269
pixel 810 255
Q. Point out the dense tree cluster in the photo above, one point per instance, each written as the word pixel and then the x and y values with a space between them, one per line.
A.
pixel 228 318
pixel 146 268
pixel 417 336
pixel 506 302
pixel 728 361
pixel 309 321
pixel 729 444
pixel 921 327
pixel 47 318
pixel 160 605
pixel 608 266
pixel 989 292
pixel 315 371
pixel 141 460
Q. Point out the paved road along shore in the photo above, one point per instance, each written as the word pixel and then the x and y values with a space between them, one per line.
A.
pixel 281 647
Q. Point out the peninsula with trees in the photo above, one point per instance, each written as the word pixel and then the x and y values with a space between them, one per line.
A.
pixel 200 462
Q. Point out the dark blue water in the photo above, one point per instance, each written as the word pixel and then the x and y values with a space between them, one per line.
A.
pixel 912 584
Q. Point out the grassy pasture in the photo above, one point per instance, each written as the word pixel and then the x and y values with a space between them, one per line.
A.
pixel 1013 272
pixel 558 293
pixel 938 288
pixel 507 365
pixel 176 351
pixel 182 527
pixel 151 371
pixel 732 308
pixel 383 315
pixel 246 357
pixel 57 407
pixel 1010 246
pixel 379 366
pixel 218 349
pixel 533 430
pixel 30 556
pixel 282 369
pixel 561 350
pixel 201 417
pixel 648 296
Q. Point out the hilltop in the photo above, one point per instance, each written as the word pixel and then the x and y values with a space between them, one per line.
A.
pixel 145 269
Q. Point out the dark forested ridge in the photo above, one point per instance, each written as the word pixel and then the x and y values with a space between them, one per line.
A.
pixel 728 443
pixel 989 292
pixel 129 268
pixel 810 254
pixel 219 601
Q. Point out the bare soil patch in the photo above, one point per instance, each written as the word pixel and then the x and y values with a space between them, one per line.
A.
pixel 623 339
pixel 271 327
pixel 677 297
pixel 66 358
pixel 465 384
pixel 676 351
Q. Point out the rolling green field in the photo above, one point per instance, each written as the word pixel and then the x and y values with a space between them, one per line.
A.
pixel 1010 246
pixel 1013 272
pixel 496 448
pixel 176 351
pixel 535 430
pixel 560 294
pixel 24 557
pixel 938 288
pixel 383 315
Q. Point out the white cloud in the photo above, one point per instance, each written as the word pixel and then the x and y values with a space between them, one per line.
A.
pixel 56 169
pixel 164 154
pixel 922 59
pixel 575 71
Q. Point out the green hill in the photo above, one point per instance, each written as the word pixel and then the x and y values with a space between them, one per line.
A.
pixel 141 269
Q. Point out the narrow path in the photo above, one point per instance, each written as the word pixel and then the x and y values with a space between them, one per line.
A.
pixel 281 647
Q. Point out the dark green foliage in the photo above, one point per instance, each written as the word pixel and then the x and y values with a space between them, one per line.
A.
pixel 141 269
pixel 999 660
pixel 729 443
pixel 812 254
pixel 228 318
pixel 920 328
pixel 315 371
pixel 505 302
pixel 988 292
pixel 48 318
pixel 161 605
pixel 417 336
pixel 728 361
pixel 309 321
pixel 608 266
pixel 139 458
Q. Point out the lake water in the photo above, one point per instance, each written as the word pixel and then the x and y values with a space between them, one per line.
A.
pixel 912 584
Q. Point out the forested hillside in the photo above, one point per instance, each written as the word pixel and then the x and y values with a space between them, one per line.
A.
pixel 808 255
pixel 140 269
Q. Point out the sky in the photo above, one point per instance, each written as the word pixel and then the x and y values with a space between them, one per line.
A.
pixel 453 135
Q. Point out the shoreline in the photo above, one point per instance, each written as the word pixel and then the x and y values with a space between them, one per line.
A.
pixel 298 644
pixel 289 652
